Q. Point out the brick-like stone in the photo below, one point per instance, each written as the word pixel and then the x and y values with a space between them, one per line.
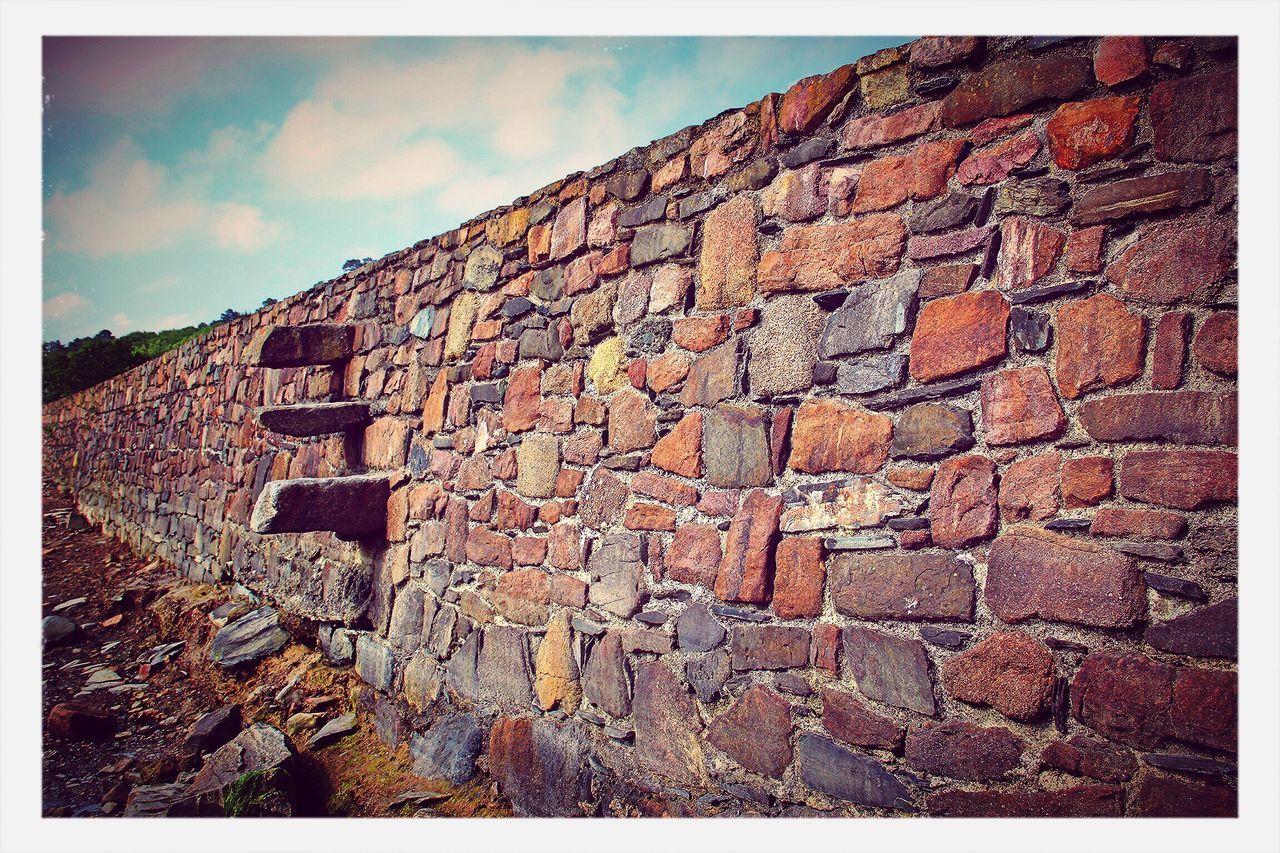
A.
pixel 947 280
pixel 808 101
pixel 871 316
pixel 1006 87
pixel 1170 796
pixel 769 647
pixel 829 436
pixel 931 431
pixel 1169 349
pixel 860 502
pixel 1087 132
pixel 755 732
pixel 1100 344
pixel 853 722
pixel 959 333
pixel 1207 632
pixel 603 499
pixel 1119 59
pixel 889 181
pixel 746 570
pixel 538 464
pixel 1033 572
pixel 825 257
pixel 1019 406
pixel 962 750
pixel 1141 523
pixel 1008 671
pixel 352 506
pixel 1086 481
pixel 1079 801
pixel 872 131
pixel 712 377
pixel 962 502
pixel 617 574
pixel 1215 343
pixel 522 595
pixel 569 232
pixel 668 728
pixel 784 346
pixel 1182 479
pixel 1028 252
pixel 889 669
pixel 1191 417
pixel 1194 119
pixel 799 577
pixel 1085 756
pixel 994 164
pixel 906 587
pixel 1151 194
pixel 727 264
pixel 735 447
pixel 633 422
pixel 1174 262
pixel 1084 249
pixel 695 554
pixel 299 346
pixel 1029 488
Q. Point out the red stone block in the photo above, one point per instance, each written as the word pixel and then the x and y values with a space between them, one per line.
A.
pixel 889 181
pixel 524 394
pixel 1085 756
pixel 1029 488
pixel 1010 671
pixel 947 280
pixel 700 334
pixel 1119 59
pixel 1088 132
pixel 1019 405
pixel 1028 251
pixel 1169 351
pixel 826 648
pixel 830 436
pixel 1215 343
pixel 962 502
pixel 1084 249
pixel 799 577
pixel 755 732
pixel 1100 344
pixel 1182 479
pixel 1086 481
pixel 853 722
pixel 994 164
pixel 807 102
pixel 486 548
pixel 680 451
pixel 1170 263
pixel 1139 523
pixel 963 751
pixel 746 570
pixel 666 489
pixel 646 516
pixel 1194 119
pixel 959 333
pixel 874 130
pixel 825 257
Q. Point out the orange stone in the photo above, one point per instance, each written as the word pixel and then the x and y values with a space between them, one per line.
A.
pixel 830 436
pixel 1019 405
pixel 1087 132
pixel 1086 481
pixel 680 451
pixel 889 181
pixel 1100 344
pixel 824 257
pixel 959 333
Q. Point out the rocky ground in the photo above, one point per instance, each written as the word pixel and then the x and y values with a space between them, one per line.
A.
pixel 140 719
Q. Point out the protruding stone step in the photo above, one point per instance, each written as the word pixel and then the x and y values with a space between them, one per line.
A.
pixel 298 346
pixel 306 419
pixel 349 506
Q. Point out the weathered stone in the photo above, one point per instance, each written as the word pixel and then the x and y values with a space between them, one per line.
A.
pixel 859 503
pixel 1151 194
pixel 658 242
pixel 755 732
pixel 923 247
pixel 1033 572
pixel 769 647
pixel 603 500
pixel 799 578
pixel 349 506
pixel 735 447
pixel 1215 343
pixel 1170 796
pixel 930 431
pixel 694 556
pixel 679 451
pixel 871 373
pixel 448 750
pixel 959 333
pixel 1006 87
pixel 874 130
pixel 839 772
pixel 78 722
pixel 251 637
pixel 1156 524
pixel 796 195
pixel 1119 59
pixel 375 662
pixel 871 316
pixel 617 572
pixel 1174 262
pixel 889 181
pixel 889 669
pixel 1087 132
pixel 784 346
pixel 1019 405
pixel 502 669
pixel 746 570
pixel 697 630
pixel 1035 197
pixel 829 436
pixel 712 377
pixel 1182 479
pixel 727 264
pixel 1191 417
pixel 462 313
pixel 540 765
pixel 668 727
pixel 1100 344
pixel 308 419
pixel 1195 119
pixel 257 764
pixel 300 346
pixel 556 671
pixel 212 730
pixel 1085 756
pixel 808 101
pixel 1206 632
pixel 1030 329
pixel 853 722
pixel 1028 252
pixel 605 676
pixel 538 464
pixel 994 164
pixel 826 257
pixel 950 211
pixel 708 674
pixel 962 502
pixel 569 232
pixel 1029 488
pixel 962 750
pixel 633 422
pixel 592 313
pixel 907 587
pixel 1009 671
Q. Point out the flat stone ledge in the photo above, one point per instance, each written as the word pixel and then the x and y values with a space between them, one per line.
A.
pixel 299 346
pixel 349 506
pixel 308 419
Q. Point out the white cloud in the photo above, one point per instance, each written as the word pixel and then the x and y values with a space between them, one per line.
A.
pixel 63 305
pixel 133 206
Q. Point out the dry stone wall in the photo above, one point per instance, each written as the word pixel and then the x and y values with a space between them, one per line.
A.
pixel 868 449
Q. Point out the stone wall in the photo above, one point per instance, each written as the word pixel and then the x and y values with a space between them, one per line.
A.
pixel 868 449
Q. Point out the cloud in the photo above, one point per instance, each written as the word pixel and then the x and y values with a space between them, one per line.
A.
pixel 63 305
pixel 132 206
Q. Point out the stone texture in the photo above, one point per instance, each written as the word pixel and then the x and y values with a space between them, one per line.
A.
pixel 603 499
pixel 727 263
pixel 962 502
pixel 1151 194
pixel 679 451
pixel 350 506
pixel 556 672
pixel 889 669
pixel 1100 344
pixel 769 647
pixel 448 750
pixel 829 436
pixel 1028 251
pixel 668 728
pixel 659 242
pixel 1006 87
pixel 901 587
pixel 784 346
pixel 1019 406
pixel 853 722
pixel 1154 524
pixel 617 572
pixel 1194 119
pixel 1182 479
pixel 735 447
pixel 799 577
pixel 712 377
pixel 1029 488
pixel 310 419
pixel 1085 756
pixel 931 431
pixel 1206 632
pixel 695 554
pixel 252 637
pixel 755 732
pixel 994 164
pixel 697 630
pixel 957 334
pixel 532 759
pixel 538 464
pixel 962 750
pixel 1033 572
pixel 522 596
pixel 859 503
pixel 746 569
pixel 299 346
pixel 1079 801
pixel 842 773
pixel 633 422
pixel 889 181
pixel 1172 262
pixel 1087 132
pixel 1190 417
pixel 826 257
pixel 874 130
pixel 808 101
pixel 1009 671
pixel 605 676
pixel 871 317
pixel 1215 343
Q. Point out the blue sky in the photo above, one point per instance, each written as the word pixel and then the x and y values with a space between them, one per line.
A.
pixel 183 176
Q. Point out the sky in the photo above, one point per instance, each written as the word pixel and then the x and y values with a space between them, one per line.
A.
pixel 184 176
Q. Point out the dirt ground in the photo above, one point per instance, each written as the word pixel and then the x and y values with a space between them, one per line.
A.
pixel 132 608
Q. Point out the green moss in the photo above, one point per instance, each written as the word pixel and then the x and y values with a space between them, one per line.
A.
pixel 251 794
